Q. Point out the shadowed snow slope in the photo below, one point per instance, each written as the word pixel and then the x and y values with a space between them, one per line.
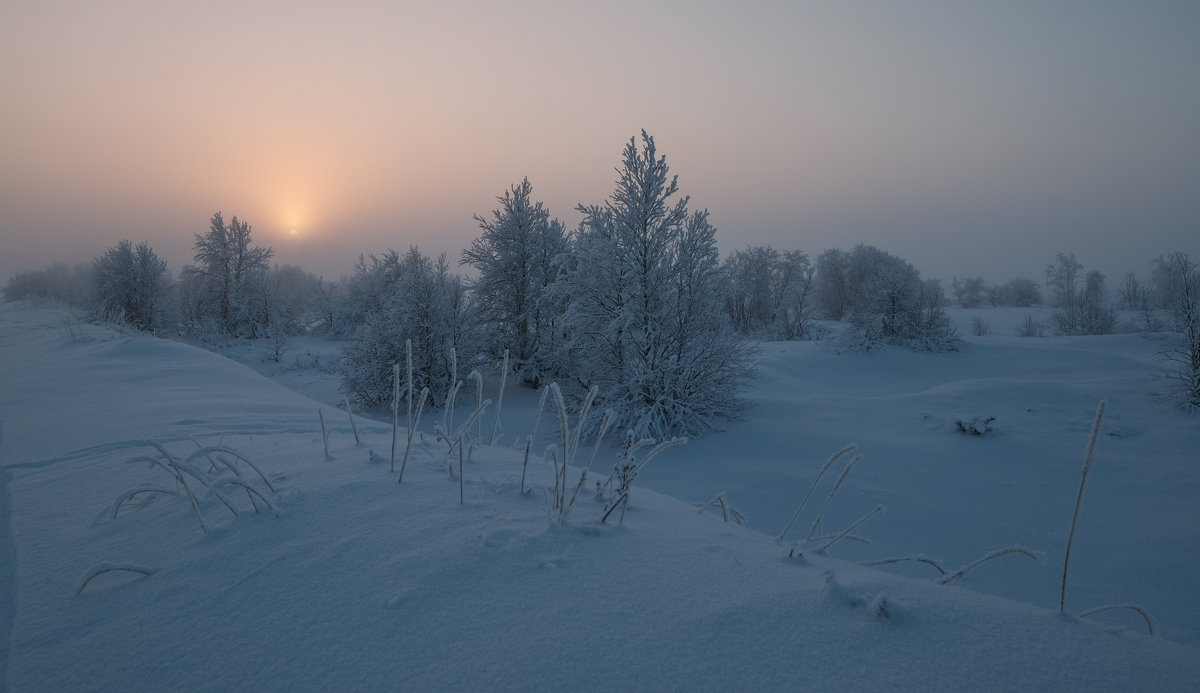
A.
pixel 357 583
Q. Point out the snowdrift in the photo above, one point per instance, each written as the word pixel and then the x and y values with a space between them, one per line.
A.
pixel 354 582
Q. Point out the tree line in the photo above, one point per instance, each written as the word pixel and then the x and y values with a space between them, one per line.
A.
pixel 635 301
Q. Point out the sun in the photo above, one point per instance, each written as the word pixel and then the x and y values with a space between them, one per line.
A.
pixel 294 233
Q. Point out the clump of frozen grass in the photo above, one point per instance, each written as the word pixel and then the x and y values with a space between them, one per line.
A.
pixel 1087 465
pixel 626 470
pixel 537 419
pixel 455 439
pixel 414 416
pixel 824 468
pixel 727 511
pixel 224 480
pixel 816 526
pixel 816 541
pixel 563 454
pixel 975 425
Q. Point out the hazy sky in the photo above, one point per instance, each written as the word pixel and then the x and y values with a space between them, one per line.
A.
pixel 967 137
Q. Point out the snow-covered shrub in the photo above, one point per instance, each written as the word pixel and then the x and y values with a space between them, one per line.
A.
pixel 1177 281
pixel 979 327
pixel 410 297
pixel 642 290
pixel 1031 328
pixel 129 285
pixel 888 303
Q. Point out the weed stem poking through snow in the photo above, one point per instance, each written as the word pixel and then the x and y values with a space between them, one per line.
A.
pixel 1087 464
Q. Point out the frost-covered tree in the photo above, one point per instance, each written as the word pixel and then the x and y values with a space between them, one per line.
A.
pixel 292 298
pixel 129 284
pixel 1080 299
pixel 832 295
pixel 770 293
pixel 1096 315
pixel 59 283
pixel 969 292
pixel 229 277
pixel 411 298
pixel 514 256
pixel 1176 280
pixel 643 313
pixel 888 303
pixel 1019 292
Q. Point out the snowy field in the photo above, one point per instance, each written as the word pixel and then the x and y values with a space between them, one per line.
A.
pixel 352 582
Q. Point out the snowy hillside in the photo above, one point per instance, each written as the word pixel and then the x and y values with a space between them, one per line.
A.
pixel 353 582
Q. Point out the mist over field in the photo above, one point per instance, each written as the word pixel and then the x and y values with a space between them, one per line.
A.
pixel 576 346
pixel 970 140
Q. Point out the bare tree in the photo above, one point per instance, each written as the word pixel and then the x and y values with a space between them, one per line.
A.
pixel 231 274
pixel 968 292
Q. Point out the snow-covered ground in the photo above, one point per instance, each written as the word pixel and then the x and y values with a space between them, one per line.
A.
pixel 357 583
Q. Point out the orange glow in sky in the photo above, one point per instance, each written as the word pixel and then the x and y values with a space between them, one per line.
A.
pixel 968 138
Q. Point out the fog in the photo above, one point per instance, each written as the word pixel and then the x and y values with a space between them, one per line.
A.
pixel 969 140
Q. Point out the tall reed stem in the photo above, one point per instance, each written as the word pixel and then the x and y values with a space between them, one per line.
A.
pixel 1087 464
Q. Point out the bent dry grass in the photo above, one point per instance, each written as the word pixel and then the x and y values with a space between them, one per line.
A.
pixel 223 480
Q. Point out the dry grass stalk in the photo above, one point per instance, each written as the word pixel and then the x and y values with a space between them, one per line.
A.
pixel 1087 464
pixel 353 426
pixel 832 492
pixel 957 575
pixel 324 434
pixel 112 567
pixel 813 487
pixel 1142 612
pixel 499 398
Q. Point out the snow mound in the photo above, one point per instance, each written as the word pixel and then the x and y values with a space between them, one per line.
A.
pixel 360 583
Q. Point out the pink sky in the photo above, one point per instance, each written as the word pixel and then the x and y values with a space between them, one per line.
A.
pixel 967 139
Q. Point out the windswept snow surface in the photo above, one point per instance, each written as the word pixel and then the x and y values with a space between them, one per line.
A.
pixel 362 584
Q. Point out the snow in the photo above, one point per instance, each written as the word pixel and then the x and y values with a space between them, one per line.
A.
pixel 363 584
